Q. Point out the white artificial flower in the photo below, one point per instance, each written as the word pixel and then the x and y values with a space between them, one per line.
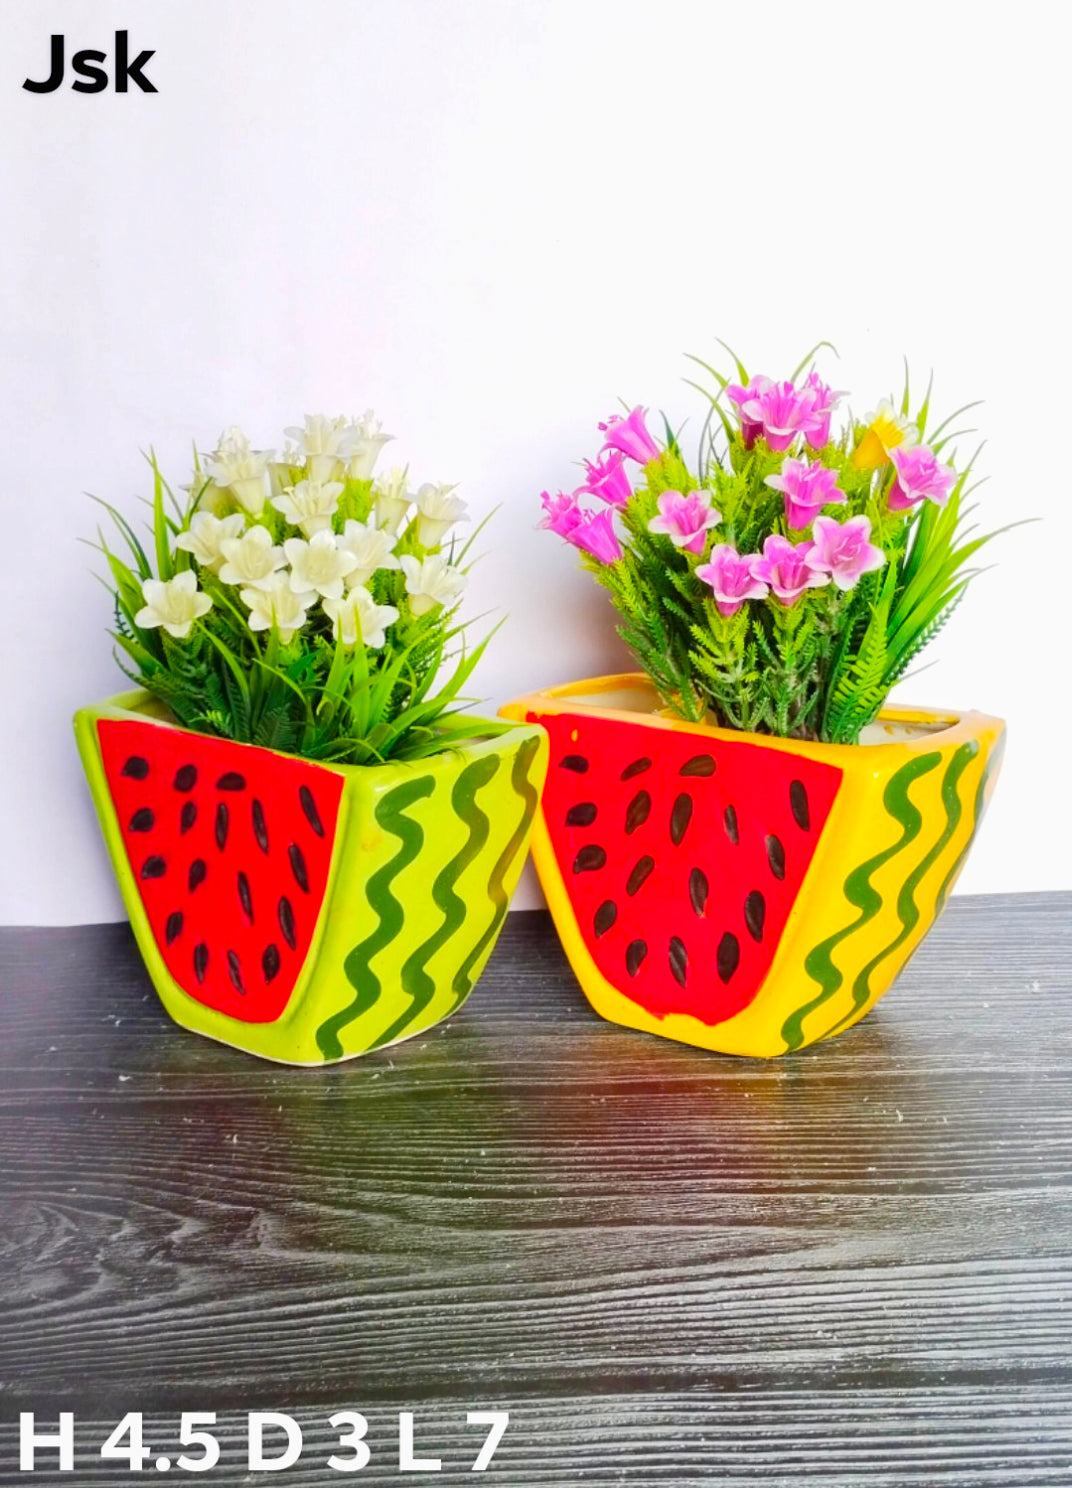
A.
pixel 310 505
pixel 319 564
pixel 276 603
pixel 437 510
pixel 371 546
pixel 391 499
pixel 431 582
pixel 322 445
pixel 250 559
pixel 232 443
pixel 205 494
pixel 205 534
pixel 281 471
pixel 358 614
pixel 240 469
pixel 364 440
pixel 173 603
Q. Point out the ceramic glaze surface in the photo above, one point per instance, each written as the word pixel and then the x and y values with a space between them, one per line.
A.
pixel 307 912
pixel 740 892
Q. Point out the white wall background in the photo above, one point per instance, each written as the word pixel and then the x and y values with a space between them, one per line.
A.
pixel 489 219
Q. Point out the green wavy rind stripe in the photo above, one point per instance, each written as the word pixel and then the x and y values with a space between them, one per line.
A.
pixel 415 980
pixel 859 892
pixel 523 787
pixel 977 815
pixel 358 968
pixel 907 909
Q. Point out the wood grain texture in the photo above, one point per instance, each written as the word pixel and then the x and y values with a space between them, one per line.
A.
pixel 850 1266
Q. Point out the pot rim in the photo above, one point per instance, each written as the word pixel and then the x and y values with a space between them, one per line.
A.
pixel 138 704
pixel 942 726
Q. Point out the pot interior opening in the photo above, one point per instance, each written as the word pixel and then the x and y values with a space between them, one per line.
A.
pixel 899 730
pixel 641 697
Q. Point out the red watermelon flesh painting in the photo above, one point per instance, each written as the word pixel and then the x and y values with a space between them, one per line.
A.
pixel 681 855
pixel 230 849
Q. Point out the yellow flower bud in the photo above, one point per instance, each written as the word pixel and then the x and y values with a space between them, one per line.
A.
pixel 885 431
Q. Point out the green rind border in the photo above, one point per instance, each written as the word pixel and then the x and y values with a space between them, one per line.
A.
pixel 861 894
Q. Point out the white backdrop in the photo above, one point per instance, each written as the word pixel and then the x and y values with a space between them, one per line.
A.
pixel 489 219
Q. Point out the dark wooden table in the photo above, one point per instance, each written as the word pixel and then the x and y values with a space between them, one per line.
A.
pixel 851 1266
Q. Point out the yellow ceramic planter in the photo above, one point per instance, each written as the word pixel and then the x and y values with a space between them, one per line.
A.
pixel 740 892
pixel 307 912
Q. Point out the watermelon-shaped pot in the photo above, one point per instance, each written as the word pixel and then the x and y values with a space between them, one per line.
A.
pixel 300 911
pixel 741 892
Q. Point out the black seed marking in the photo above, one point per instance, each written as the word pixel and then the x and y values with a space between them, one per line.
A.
pixel 582 815
pixel 231 781
pixel 223 821
pixel 728 957
pixel 590 859
pixel 634 956
pixel 234 971
pixel 270 962
pixel 297 867
pixel 680 816
pixel 641 869
pixel 637 811
pixel 575 762
pixel 286 923
pixel 308 805
pixel 698 890
pixel 636 768
pixel 260 828
pixel 679 960
pixel 798 802
pixel 187 816
pixel 196 875
pixel 245 896
pixel 606 915
pixel 729 821
pixel 700 764
pixel 185 778
pixel 200 960
pixel 142 821
pixel 755 912
pixel 136 767
pixel 173 928
pixel 153 868
pixel 776 857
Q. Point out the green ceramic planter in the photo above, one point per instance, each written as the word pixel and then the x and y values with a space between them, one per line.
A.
pixel 304 912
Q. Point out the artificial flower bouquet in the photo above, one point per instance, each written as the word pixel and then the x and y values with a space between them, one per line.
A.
pixel 741 846
pixel 315 844
pixel 297 603
pixel 787 584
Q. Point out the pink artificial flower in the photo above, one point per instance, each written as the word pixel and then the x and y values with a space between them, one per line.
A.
pixel 784 567
pixel 685 519
pixel 784 412
pixel 607 479
pixel 919 475
pixel 842 550
pixel 738 395
pixel 595 534
pixel 825 401
pixel 630 435
pixel 730 575
pixel 592 531
pixel 807 487
pixel 562 513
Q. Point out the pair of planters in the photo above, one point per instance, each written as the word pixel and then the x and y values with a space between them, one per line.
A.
pixel 738 892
